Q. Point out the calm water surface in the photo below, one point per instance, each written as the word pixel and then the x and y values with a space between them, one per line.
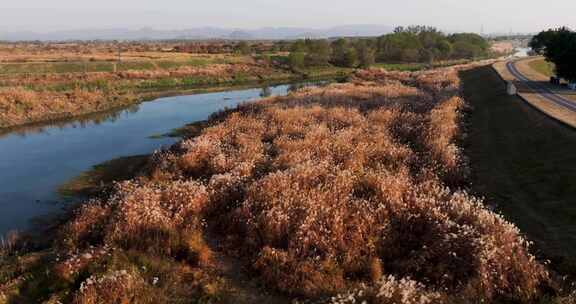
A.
pixel 34 163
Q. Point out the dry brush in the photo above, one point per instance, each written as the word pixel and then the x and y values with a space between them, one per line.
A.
pixel 352 192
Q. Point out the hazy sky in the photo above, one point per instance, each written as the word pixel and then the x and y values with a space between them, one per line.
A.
pixel 452 15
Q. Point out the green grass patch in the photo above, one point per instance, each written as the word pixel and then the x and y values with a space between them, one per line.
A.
pixel 523 161
pixel 187 131
pixel 417 66
pixel 401 66
pixel 90 182
pixel 543 67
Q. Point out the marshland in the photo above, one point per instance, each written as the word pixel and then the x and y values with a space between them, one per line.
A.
pixel 349 170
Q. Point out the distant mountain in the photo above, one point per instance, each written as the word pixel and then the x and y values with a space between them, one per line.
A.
pixel 267 33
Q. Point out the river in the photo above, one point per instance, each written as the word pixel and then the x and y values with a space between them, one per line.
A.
pixel 34 162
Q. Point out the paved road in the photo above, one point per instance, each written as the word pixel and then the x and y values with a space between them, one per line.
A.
pixel 540 89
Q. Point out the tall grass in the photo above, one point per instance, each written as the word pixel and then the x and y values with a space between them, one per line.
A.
pixel 19 105
pixel 35 97
pixel 351 191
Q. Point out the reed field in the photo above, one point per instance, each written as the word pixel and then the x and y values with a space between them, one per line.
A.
pixel 350 193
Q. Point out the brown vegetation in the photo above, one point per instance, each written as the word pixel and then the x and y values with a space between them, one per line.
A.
pixel 44 81
pixel 20 105
pixel 348 193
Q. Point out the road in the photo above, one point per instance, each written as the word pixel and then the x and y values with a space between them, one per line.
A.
pixel 540 89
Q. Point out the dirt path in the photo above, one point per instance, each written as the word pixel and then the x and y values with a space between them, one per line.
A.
pixel 524 162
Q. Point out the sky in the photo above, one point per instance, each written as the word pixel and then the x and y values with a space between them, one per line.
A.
pixel 449 15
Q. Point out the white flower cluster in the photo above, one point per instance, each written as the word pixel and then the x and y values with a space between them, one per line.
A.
pixel 114 277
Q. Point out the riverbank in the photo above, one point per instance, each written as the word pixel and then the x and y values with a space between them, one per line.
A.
pixel 310 197
pixel 68 96
pixel 35 97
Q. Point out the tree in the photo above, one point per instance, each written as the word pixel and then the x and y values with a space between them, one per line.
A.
pixel 298 46
pixel 399 46
pixel 366 54
pixel 296 60
pixel 559 47
pixel 445 49
pixel 350 58
pixel 469 45
pixel 244 48
pixel 432 40
pixel 343 54
pixel 539 42
pixel 318 52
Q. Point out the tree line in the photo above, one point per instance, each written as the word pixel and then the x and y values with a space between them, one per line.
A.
pixel 559 47
pixel 406 44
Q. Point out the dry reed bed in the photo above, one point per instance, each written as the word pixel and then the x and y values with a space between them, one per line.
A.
pixel 342 194
pixel 19 105
pixel 223 71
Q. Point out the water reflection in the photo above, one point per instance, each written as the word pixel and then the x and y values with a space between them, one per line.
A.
pixel 81 122
pixel 36 159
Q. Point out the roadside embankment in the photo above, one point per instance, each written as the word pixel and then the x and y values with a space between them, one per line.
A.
pixel 523 162
pixel 531 91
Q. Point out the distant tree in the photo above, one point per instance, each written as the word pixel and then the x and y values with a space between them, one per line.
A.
pixel 244 48
pixel 445 49
pixel 366 54
pixel 544 38
pixel 318 52
pixel 350 58
pixel 559 47
pixel 428 44
pixel 432 41
pixel 469 45
pixel 339 48
pixel 344 54
pixel 399 46
pixel 296 60
pixel 298 46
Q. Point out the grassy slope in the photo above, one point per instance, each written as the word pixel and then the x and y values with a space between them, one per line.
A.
pixel 543 67
pixel 523 161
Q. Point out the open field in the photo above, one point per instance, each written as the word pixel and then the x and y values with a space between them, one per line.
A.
pixel 341 194
pixel 523 162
